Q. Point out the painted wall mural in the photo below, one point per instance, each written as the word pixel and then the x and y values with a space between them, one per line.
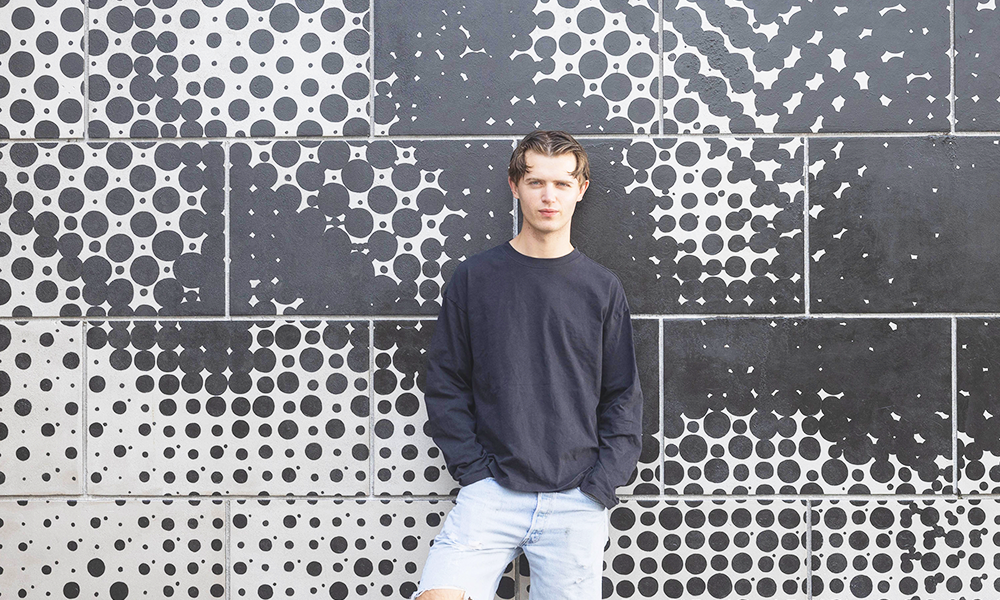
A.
pixel 225 227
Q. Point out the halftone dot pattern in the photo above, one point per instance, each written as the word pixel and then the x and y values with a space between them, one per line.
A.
pixel 978 406
pixel 335 549
pixel 115 229
pixel 800 66
pixel 765 407
pixel 606 58
pixel 700 226
pixel 977 78
pixel 114 550
pixel 235 68
pixel 646 477
pixel 927 549
pixel 510 67
pixel 228 407
pixel 706 549
pixel 393 219
pixel 406 459
pixel 41 69
pixel 41 397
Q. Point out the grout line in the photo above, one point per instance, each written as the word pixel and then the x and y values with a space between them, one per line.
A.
pixel 371 70
pixel 86 70
pixel 806 298
pixel 954 404
pixel 515 138
pixel 229 568
pixel 371 408
pixel 659 83
pixel 952 117
pixel 83 410
pixel 661 441
pixel 228 234
pixel 809 551
pixel 195 497
pixel 637 316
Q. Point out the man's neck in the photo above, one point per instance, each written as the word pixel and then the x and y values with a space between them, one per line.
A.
pixel 545 248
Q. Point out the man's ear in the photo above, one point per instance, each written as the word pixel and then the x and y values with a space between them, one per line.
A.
pixel 513 186
pixel 583 189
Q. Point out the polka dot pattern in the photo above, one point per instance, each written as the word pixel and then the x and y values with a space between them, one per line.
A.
pixel 392 218
pixel 914 549
pixel 803 66
pixel 322 548
pixel 41 69
pixel 706 549
pixel 504 68
pixel 813 407
pixel 41 425
pixel 114 550
pixel 228 407
pixel 700 226
pixel 115 229
pixel 978 442
pixel 244 68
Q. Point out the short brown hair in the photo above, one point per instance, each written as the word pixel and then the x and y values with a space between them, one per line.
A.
pixel 548 143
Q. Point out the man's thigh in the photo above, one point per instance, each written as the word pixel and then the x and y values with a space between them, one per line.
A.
pixel 566 554
pixel 479 538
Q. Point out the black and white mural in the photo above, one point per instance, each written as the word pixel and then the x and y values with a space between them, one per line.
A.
pixel 225 226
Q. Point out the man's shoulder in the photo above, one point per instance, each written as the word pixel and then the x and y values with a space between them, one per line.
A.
pixel 602 273
pixel 474 263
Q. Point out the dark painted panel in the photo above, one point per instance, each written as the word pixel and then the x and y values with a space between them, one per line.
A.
pixel 41 69
pixel 238 68
pixel 814 406
pixel 804 66
pixel 904 225
pixel 360 228
pixel 977 66
pixel 225 407
pixel 112 229
pixel 912 549
pixel 510 67
pixel 697 226
pixel 646 338
pixel 978 406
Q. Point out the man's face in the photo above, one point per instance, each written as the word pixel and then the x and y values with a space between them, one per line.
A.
pixel 548 192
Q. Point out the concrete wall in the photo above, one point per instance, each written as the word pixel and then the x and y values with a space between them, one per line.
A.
pixel 225 226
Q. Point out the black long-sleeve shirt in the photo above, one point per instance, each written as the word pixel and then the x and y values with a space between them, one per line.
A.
pixel 531 375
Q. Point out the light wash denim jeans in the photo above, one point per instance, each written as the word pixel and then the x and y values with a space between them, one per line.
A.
pixel 563 534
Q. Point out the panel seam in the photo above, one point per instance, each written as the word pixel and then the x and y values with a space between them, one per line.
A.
pixel 952 112
pixel 806 290
pixel 954 404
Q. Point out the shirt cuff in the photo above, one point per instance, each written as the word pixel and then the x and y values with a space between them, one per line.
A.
pixel 598 488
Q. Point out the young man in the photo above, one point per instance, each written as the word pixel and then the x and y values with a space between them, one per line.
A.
pixel 533 396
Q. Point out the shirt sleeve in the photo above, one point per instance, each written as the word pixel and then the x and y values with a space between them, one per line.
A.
pixel 619 411
pixel 451 420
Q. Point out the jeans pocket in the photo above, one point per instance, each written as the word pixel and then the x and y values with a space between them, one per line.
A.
pixel 590 499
